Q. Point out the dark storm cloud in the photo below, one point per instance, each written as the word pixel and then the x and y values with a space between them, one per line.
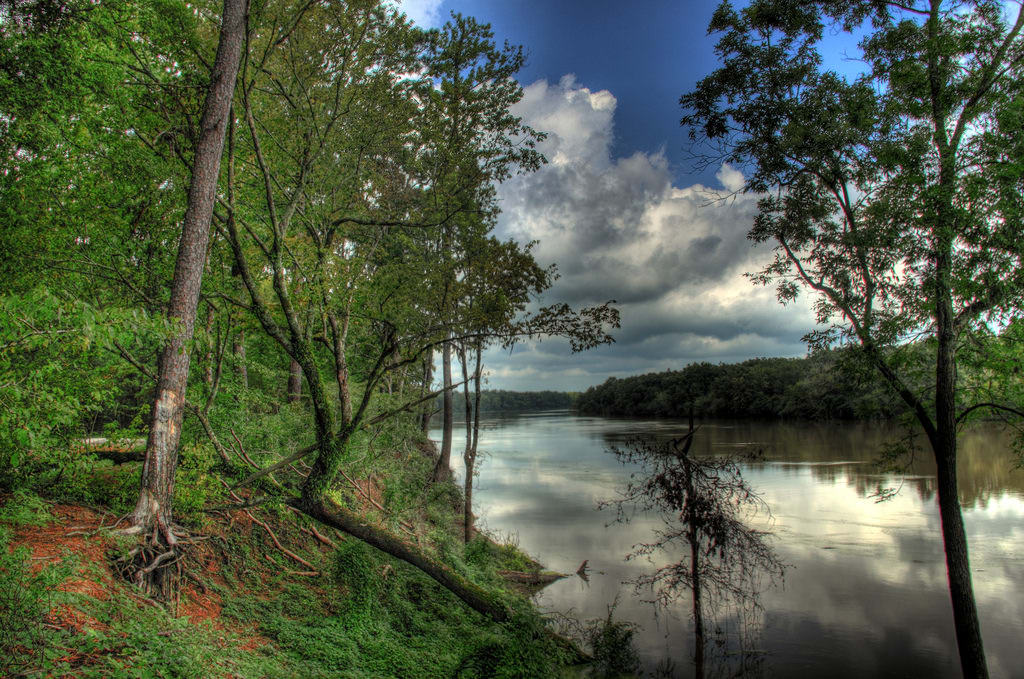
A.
pixel 673 258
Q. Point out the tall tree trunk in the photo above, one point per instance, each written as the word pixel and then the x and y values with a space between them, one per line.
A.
pixel 239 351
pixel 157 484
pixel 428 378
pixel 442 470
pixel 467 454
pixel 476 398
pixel 958 569
pixel 294 381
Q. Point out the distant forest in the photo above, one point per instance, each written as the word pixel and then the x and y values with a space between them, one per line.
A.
pixel 499 399
pixel 803 388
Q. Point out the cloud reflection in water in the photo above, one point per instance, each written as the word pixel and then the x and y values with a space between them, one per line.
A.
pixel 867 594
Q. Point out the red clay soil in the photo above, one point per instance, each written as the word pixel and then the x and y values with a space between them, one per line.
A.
pixel 49 544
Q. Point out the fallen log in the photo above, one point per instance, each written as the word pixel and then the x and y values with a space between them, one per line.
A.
pixel 118 452
pixel 473 595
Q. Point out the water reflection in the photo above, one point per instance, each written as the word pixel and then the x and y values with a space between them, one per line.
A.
pixel 705 504
pixel 867 594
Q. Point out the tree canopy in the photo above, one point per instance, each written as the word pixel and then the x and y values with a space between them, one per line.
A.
pixel 352 235
pixel 894 197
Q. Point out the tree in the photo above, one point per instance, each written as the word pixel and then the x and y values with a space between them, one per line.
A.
pixel 469 453
pixel 704 503
pixel 894 197
pixel 333 211
pixel 153 509
pixel 471 142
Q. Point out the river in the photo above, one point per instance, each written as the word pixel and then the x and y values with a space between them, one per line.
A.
pixel 865 591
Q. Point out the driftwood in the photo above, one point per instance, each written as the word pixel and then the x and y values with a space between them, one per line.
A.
pixel 529 578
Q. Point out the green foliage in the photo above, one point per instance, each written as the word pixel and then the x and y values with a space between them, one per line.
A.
pixel 143 642
pixel 98 110
pixel 893 198
pixel 483 552
pixel 611 644
pixel 25 599
pixel 356 568
pixel 819 387
pixel 59 378
pixel 25 508
pixel 195 486
pixel 500 400
pixel 98 483
pixel 386 619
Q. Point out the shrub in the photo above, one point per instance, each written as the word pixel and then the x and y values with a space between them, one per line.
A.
pixel 25 599
pixel 611 643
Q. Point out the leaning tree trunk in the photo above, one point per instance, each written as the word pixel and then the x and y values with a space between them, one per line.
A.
pixel 443 468
pixel 152 513
pixel 958 570
pixel 343 519
pixel 954 537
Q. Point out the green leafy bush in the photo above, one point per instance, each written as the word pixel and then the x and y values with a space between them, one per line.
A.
pixel 25 598
pixel 611 644
pixel 194 485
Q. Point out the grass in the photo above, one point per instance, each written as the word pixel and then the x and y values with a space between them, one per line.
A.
pixel 366 614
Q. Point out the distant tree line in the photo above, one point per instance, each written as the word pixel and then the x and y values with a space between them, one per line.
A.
pixel 804 388
pixel 499 399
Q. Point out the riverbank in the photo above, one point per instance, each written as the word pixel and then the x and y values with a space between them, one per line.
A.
pixel 265 591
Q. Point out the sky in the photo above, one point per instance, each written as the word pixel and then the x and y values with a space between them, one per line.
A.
pixel 620 207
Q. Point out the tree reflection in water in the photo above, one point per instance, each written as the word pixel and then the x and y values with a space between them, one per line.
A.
pixel 725 563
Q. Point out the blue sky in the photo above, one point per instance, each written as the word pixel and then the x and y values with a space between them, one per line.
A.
pixel 619 207
pixel 646 53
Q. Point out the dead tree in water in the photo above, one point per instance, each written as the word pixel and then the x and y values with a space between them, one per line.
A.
pixel 704 503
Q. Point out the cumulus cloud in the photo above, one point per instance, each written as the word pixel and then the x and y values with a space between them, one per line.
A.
pixel 618 228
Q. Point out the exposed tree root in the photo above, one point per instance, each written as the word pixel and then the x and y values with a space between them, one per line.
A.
pixel 284 550
pixel 155 565
pixel 359 489
pixel 312 531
